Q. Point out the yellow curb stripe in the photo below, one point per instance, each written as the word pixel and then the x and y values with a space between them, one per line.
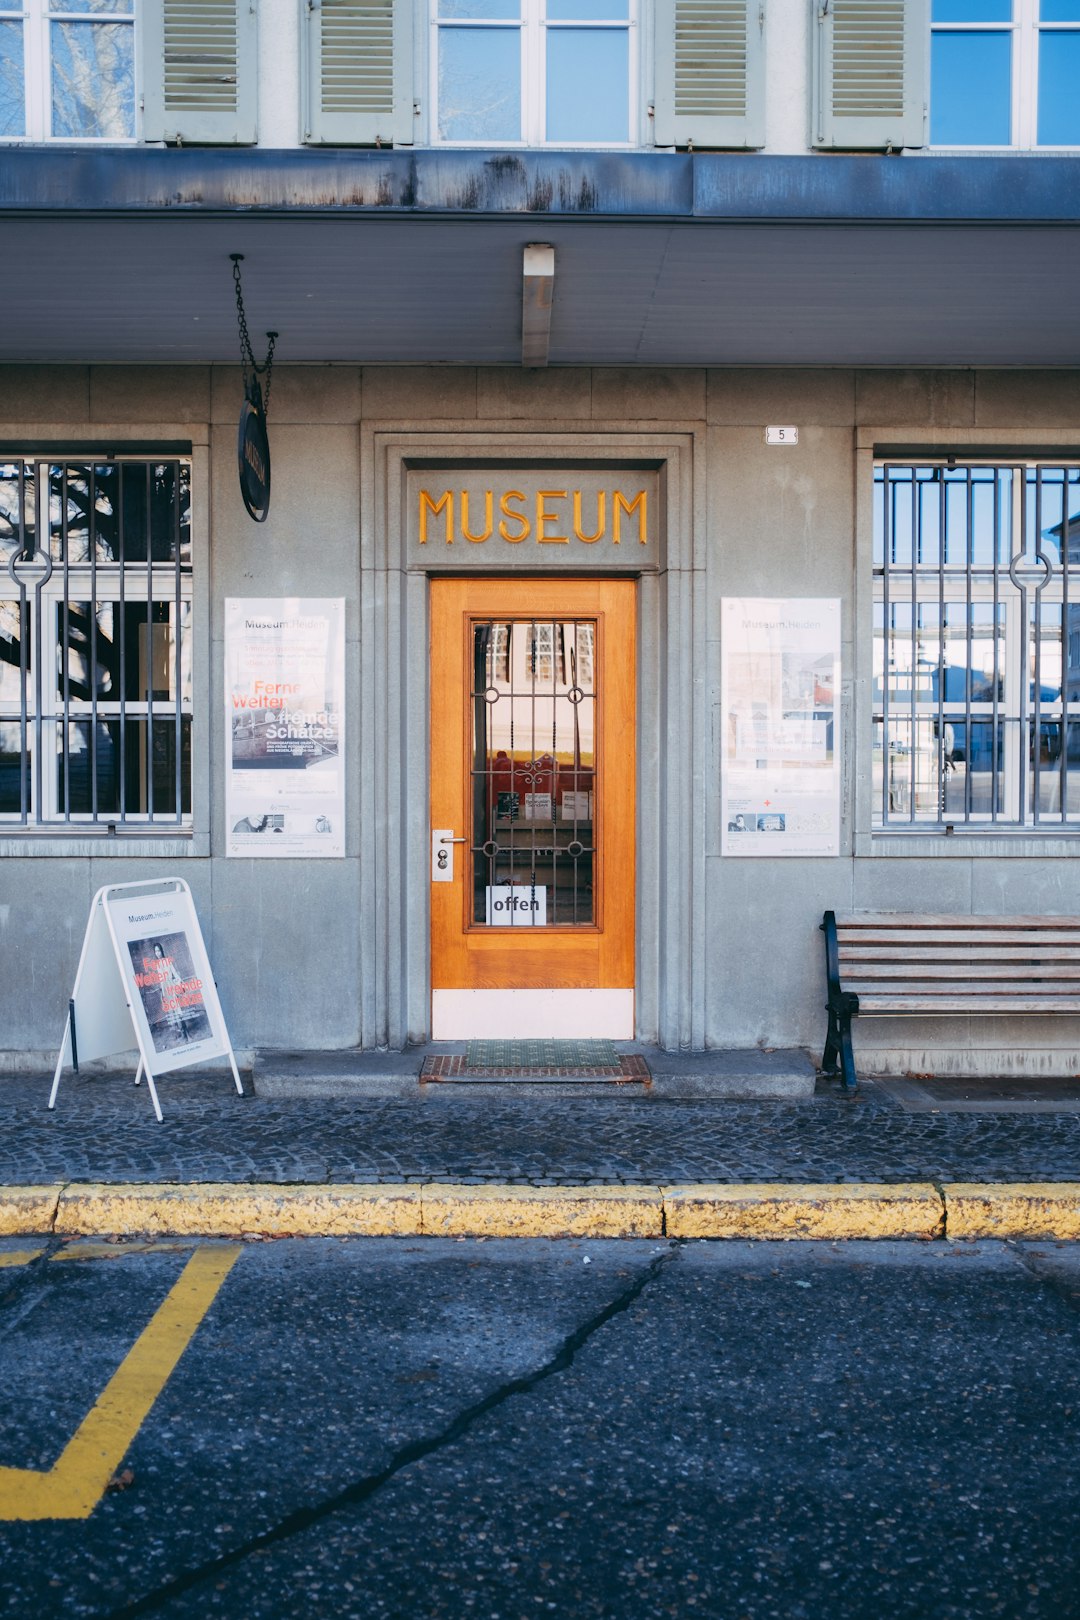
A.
pixel 825 1211
pixel 28 1209
pixel 229 1210
pixel 1034 1209
pixel 593 1212
pixel 748 1210
pixel 72 1488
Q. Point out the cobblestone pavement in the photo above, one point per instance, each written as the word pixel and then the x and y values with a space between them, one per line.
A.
pixel 104 1130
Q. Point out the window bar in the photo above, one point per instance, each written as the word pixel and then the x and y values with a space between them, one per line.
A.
pixel 942 666
pixel 1022 650
pixel 572 661
pixel 65 640
pixel 1037 623
pixel 91 540
pixel 888 530
pixel 149 655
pixel 481 767
pixel 533 778
pixel 178 632
pixel 916 531
pixel 24 669
pixel 996 739
pixel 512 699
pixel 121 559
pixel 558 632
pixel 969 645
pixel 1063 553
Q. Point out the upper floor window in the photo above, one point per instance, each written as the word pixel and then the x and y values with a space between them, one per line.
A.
pixel 1004 73
pixel 67 70
pixel 534 72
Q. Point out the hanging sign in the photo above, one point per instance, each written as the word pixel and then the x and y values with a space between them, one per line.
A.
pixel 780 683
pixel 285 726
pixel 144 981
pixel 253 454
pixel 252 444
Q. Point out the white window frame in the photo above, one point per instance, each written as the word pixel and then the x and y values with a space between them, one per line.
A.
pixel 36 19
pixel 532 27
pixel 164 837
pixel 1044 830
pixel 1025 31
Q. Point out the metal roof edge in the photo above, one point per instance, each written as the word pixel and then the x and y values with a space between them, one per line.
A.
pixel 752 188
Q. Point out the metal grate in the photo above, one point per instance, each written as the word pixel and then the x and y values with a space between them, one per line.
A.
pixel 534 782
pixel 95 642
pixel 539 1054
pixel 977 646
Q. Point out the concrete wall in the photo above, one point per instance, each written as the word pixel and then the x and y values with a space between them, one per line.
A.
pixel 314 954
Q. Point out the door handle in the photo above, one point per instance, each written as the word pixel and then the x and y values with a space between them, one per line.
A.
pixel 442 859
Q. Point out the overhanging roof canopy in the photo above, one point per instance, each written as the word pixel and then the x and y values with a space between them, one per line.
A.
pixel 405 257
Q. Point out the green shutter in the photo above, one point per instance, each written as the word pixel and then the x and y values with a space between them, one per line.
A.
pixel 358 72
pixel 710 73
pixel 199 62
pixel 869 73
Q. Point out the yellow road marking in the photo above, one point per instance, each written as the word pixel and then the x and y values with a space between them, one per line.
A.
pixel 73 1486
pixel 88 1249
pixel 18 1257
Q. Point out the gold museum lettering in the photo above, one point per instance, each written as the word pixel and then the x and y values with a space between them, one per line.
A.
pixel 553 517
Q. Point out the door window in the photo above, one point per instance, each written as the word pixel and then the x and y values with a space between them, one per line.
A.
pixel 533 772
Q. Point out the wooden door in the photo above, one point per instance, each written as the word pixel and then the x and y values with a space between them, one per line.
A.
pixel 533 776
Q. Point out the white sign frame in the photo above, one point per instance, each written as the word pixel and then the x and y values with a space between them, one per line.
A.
pixel 285 761
pixel 144 982
pixel 780 670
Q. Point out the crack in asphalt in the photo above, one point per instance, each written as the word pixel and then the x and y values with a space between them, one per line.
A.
pixel 362 1490
pixel 1065 1290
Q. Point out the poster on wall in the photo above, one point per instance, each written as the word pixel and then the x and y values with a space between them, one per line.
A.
pixel 780 691
pixel 285 726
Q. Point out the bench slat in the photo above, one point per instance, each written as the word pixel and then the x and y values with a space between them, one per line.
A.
pixel 956 923
pixel 901 941
pixel 901 951
pixel 956 973
pixel 900 1005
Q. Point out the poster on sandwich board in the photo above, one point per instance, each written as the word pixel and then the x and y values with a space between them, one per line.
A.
pixel 284 726
pixel 144 982
pixel 780 693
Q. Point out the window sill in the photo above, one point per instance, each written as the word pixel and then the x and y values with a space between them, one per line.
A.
pixel 1006 844
pixel 69 844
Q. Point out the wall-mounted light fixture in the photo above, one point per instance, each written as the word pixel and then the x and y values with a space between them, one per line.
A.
pixel 538 289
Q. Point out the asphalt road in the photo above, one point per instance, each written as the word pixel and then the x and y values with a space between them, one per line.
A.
pixel 507 1429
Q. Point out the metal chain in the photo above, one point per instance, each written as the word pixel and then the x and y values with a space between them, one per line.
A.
pixel 247 355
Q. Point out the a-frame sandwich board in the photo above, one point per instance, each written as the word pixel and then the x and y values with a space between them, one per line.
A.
pixel 144 981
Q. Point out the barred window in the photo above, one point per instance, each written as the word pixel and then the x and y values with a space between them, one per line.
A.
pixel 95 643
pixel 976 695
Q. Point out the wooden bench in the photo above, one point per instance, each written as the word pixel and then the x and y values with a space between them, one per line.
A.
pixel 897 963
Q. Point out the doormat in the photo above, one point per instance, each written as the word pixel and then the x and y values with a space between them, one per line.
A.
pixel 620 1071
pixel 541 1053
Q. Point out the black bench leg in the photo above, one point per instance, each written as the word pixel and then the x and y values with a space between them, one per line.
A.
pixel 838 1046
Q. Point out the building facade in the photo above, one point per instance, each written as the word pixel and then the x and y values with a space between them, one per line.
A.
pixel 680 401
